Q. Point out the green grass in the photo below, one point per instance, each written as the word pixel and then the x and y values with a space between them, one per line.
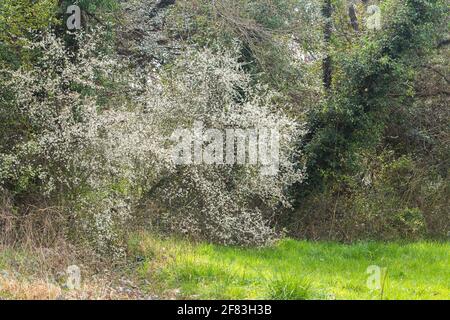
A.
pixel 295 270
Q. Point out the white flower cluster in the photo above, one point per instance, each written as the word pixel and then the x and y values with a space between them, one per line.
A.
pixel 74 145
pixel 102 145
pixel 232 204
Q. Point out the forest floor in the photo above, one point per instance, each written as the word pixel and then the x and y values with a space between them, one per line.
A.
pixel 159 268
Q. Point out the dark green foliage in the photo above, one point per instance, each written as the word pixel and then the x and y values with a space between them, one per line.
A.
pixel 354 115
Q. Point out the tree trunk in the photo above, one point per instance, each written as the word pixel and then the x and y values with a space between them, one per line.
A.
pixel 327 62
pixel 353 17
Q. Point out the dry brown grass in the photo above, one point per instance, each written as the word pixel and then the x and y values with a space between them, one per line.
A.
pixel 35 253
pixel 24 290
pixel 42 289
pixel 40 274
pixel 35 224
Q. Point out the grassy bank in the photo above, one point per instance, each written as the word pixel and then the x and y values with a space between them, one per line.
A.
pixel 177 269
pixel 296 270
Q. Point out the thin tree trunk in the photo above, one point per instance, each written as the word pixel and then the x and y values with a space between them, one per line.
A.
pixel 353 17
pixel 327 62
